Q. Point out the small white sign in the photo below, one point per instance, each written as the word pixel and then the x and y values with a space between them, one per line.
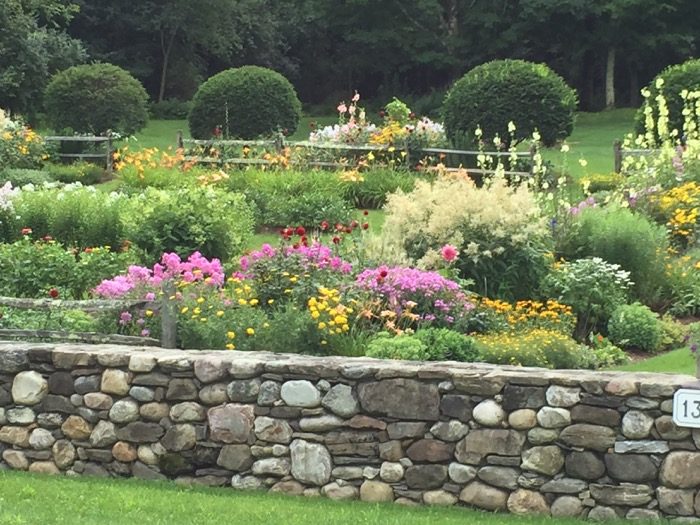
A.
pixel 686 408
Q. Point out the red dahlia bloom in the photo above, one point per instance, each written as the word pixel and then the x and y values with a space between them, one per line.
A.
pixel 53 293
pixel 301 231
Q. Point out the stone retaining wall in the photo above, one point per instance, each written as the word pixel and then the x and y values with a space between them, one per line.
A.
pixel 599 445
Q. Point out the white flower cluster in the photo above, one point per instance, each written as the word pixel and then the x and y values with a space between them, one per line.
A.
pixel 348 133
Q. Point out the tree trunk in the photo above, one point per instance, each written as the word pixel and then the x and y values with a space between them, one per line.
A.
pixel 166 49
pixel 610 79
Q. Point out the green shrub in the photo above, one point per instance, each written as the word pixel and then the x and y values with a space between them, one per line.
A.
pixel 603 354
pixel 387 346
pixel 63 320
pixel 429 344
pixel 84 172
pixel 95 98
pixel 32 268
pixel 443 344
pixel 246 102
pixel 215 223
pixel 172 109
pixel 676 78
pixel 542 348
pixel 75 216
pixel 371 193
pixel 592 287
pixel 493 94
pixel 19 177
pixel 620 236
pixel 293 197
pixel 635 326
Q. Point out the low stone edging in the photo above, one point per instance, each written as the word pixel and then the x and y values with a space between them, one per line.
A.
pixel 574 443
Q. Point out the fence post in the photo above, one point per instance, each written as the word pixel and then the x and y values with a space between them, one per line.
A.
pixel 110 153
pixel 617 152
pixel 168 317
pixel 180 143
pixel 279 142
pixel 533 152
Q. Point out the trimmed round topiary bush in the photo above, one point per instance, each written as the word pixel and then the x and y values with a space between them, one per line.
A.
pixel 94 98
pixel 675 80
pixel 245 103
pixel 491 95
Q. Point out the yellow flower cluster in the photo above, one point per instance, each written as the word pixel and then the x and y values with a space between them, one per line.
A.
pixel 389 134
pixel 537 347
pixel 331 315
pixel 522 315
pixel 681 207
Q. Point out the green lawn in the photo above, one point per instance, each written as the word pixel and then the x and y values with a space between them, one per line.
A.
pixel 32 500
pixel 679 361
pixel 592 140
pixel 162 134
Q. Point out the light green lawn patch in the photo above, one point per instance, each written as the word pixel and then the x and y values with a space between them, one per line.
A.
pixel 162 134
pixel 27 499
pixel 592 140
pixel 679 361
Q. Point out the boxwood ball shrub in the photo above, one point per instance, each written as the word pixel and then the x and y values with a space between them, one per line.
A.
pixel 493 94
pixel 94 98
pixel 685 76
pixel 245 102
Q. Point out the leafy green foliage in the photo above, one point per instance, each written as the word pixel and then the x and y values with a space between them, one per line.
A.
pixel 592 287
pixel 80 217
pixel 677 78
pixel 107 96
pixel 494 94
pixel 82 172
pixel 387 346
pixel 171 109
pixel 620 236
pixel 371 193
pixel 18 177
pixel 215 223
pixel 443 344
pixel 32 268
pixel 635 326
pixel 293 198
pixel 245 102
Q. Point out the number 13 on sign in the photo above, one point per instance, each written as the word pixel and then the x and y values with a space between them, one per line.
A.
pixel 686 408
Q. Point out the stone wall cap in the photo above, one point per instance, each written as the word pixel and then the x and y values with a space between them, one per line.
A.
pixel 355 367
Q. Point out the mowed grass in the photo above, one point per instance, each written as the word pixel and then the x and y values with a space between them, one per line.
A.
pixel 162 134
pixel 592 140
pixel 27 499
pixel 680 361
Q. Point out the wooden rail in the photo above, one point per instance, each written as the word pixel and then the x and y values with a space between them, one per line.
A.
pixel 107 140
pixel 279 144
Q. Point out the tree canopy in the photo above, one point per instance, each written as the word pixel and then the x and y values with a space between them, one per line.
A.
pixel 606 49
